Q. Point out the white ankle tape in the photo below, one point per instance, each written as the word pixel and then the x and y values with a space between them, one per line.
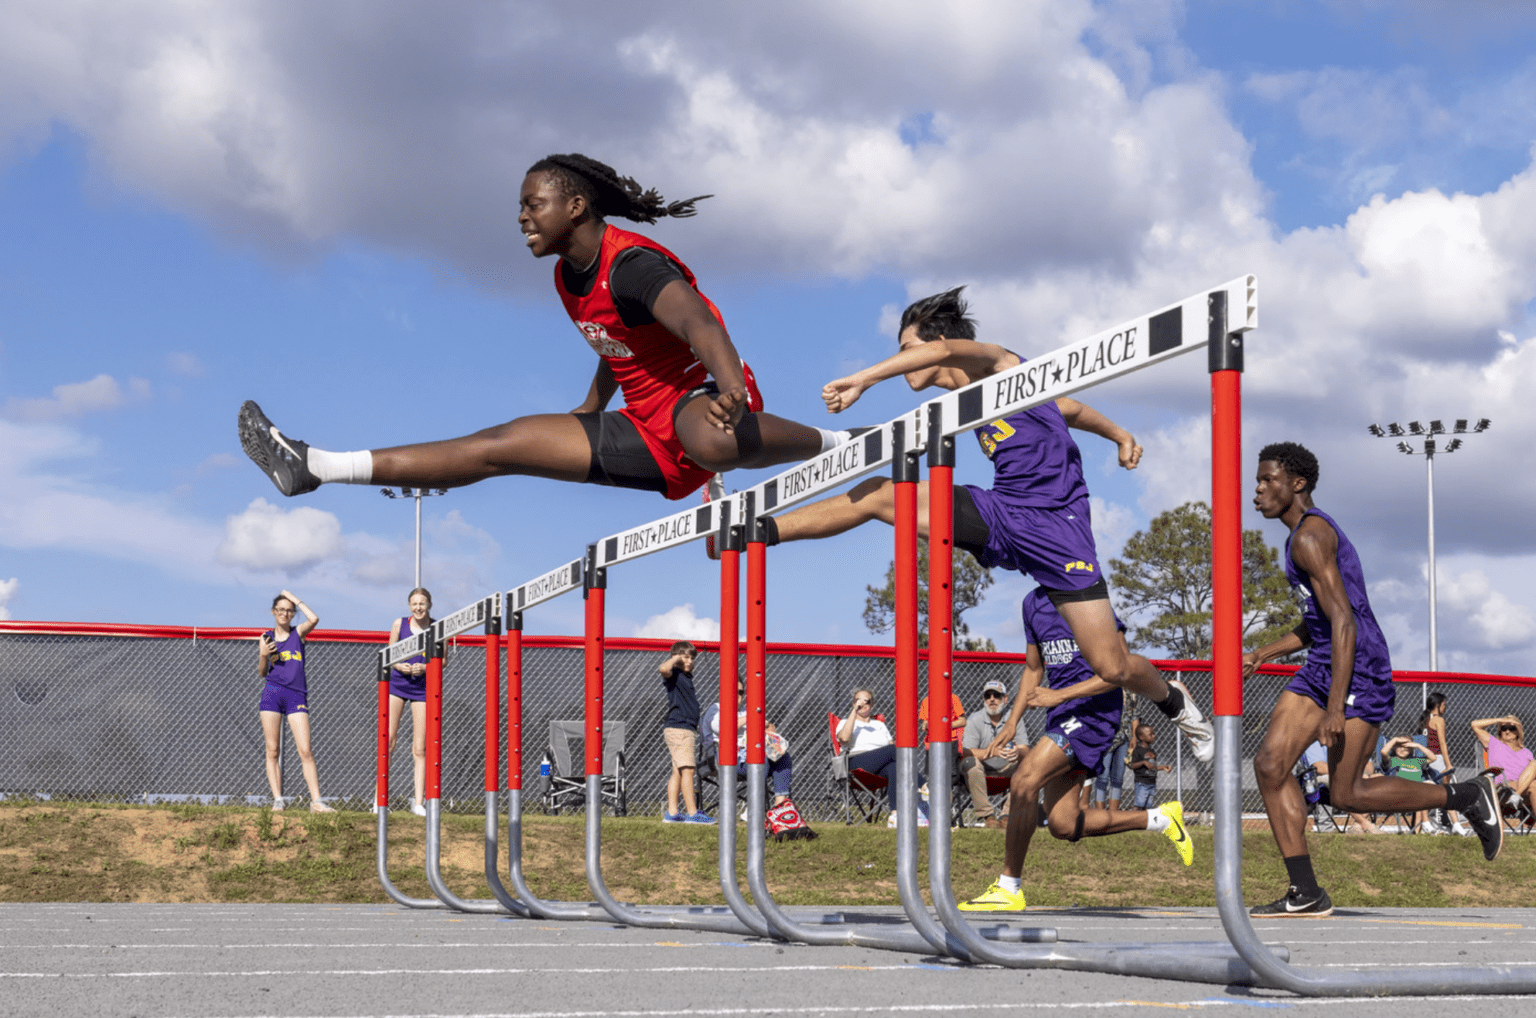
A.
pixel 341 467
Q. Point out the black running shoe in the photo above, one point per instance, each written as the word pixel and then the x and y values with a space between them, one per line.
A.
pixel 281 458
pixel 1485 818
pixel 1298 905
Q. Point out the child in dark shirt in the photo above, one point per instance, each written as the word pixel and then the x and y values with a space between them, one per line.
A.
pixel 681 731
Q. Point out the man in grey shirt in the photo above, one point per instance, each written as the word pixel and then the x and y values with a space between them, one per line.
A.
pixel 980 729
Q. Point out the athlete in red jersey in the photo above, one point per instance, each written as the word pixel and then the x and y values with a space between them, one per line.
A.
pixel 691 407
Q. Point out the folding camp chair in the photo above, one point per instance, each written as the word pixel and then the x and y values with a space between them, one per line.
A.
pixel 1314 789
pixel 960 801
pixel 861 790
pixel 1516 813
pixel 562 783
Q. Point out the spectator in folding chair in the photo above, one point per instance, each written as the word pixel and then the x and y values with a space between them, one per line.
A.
pixel 868 745
pixel 781 765
pixel 1503 739
pixel 1408 760
pixel 976 767
pixel 1315 759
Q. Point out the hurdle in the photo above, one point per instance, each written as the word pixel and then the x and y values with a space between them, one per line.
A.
pixel 416 644
pixel 1227 649
pixel 431 642
pixel 1167 333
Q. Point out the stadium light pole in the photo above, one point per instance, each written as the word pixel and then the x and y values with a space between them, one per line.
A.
pixel 418 494
pixel 1428 440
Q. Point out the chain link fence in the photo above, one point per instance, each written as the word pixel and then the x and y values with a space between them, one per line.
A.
pixel 134 718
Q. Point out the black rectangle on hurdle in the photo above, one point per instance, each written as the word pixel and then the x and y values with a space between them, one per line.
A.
pixel 1166 330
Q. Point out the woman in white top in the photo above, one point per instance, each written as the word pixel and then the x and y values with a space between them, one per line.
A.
pixel 781 765
pixel 865 738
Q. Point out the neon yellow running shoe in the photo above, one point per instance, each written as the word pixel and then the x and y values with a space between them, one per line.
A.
pixel 996 899
pixel 1176 832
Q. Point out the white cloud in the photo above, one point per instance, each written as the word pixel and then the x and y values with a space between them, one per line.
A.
pixel 266 538
pixel 72 399
pixel 8 590
pixel 679 623
pixel 184 364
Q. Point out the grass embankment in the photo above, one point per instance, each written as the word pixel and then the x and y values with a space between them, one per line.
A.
pixel 66 852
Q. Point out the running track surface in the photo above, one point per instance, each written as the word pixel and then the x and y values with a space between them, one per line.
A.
pixel 286 961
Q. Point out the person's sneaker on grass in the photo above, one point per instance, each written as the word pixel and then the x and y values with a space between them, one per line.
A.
pixel 673 818
pixel 1312 905
pixel 418 809
pixel 1176 832
pixel 1202 737
pixel 699 818
pixel 1484 817
pixel 284 459
pixel 319 807
pixel 995 899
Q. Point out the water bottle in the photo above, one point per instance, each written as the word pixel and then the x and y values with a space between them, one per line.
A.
pixel 544 767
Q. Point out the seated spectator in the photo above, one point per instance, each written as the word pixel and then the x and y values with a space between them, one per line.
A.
pixel 956 717
pixel 1504 739
pixel 1408 760
pixel 865 738
pixel 975 766
pixel 781 765
pixel 1315 756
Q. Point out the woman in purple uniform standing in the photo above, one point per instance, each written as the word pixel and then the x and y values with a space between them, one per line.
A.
pixel 280 660
pixel 408 684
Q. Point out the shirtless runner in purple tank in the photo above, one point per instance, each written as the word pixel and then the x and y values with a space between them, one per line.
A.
pixel 1341 696
pixel 1035 518
pixel 1080 728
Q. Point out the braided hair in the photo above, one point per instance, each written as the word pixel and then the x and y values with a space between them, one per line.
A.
pixel 944 314
pixel 609 194
pixel 1294 459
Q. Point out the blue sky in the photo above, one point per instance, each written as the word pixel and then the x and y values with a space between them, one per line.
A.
pixel 314 207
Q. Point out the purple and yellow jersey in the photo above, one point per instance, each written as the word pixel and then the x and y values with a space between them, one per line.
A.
pixel 1065 665
pixel 1035 462
pixel 286 664
pixel 1371 658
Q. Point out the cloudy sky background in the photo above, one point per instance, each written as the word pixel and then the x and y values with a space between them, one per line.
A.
pixel 314 206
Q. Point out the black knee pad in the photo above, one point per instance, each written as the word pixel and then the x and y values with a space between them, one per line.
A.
pixel 749 436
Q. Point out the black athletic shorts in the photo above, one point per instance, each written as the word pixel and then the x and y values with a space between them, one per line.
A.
pixel 620 457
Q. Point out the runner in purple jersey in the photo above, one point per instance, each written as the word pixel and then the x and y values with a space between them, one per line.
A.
pixel 280 661
pixel 1340 696
pixel 1035 519
pixel 408 685
pixel 1081 726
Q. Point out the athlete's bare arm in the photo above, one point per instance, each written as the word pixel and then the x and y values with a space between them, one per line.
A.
pixel 601 391
pixel 1085 418
pixel 1315 548
pixel 1290 643
pixel 946 363
pixel 1048 698
pixel 1029 681
pixel 680 308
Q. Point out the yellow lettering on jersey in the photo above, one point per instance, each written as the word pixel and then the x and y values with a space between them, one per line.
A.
pixel 1079 566
pixel 1000 432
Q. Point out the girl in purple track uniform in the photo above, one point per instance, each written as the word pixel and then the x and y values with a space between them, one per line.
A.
pixel 1340 697
pixel 280 661
pixel 1080 728
pixel 408 684
pixel 1035 518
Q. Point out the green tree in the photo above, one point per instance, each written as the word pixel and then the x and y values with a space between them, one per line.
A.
pixel 971 582
pixel 1164 575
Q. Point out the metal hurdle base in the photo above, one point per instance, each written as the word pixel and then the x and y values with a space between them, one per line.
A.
pixel 390 889
pixel 1316 982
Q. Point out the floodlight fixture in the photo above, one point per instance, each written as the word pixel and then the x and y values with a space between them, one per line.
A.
pixel 1428 448
pixel 416 494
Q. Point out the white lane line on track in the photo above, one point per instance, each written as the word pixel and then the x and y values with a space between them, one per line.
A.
pixel 1259 1002
pixel 659 970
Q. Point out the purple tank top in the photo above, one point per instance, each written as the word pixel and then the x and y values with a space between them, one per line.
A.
pixel 405 634
pixel 1371 657
pixel 286 664
pixel 1035 462
pixel 1064 663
